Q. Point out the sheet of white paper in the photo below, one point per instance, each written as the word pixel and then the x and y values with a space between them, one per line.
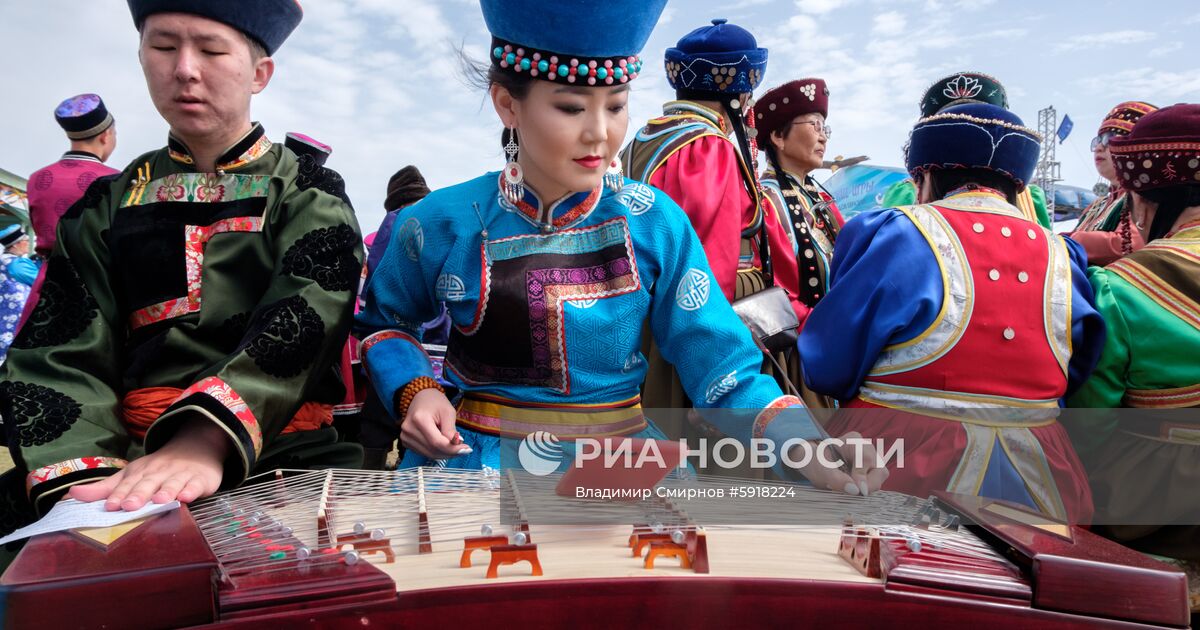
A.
pixel 72 514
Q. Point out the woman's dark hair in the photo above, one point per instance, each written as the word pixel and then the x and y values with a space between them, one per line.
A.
pixel 1172 201
pixel 945 181
pixel 484 75
pixel 769 148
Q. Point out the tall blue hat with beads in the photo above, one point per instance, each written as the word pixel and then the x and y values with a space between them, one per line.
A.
pixel 716 60
pixel 583 42
pixel 976 135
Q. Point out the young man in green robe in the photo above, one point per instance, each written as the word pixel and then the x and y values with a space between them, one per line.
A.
pixel 194 303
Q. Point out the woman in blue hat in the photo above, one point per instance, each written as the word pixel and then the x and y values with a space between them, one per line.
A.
pixel 549 268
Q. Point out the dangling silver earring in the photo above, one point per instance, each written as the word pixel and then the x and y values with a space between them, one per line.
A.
pixel 513 187
pixel 614 178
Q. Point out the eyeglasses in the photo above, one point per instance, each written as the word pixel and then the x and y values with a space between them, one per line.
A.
pixel 1103 139
pixel 818 125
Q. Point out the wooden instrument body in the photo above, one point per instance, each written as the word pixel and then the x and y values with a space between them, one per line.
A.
pixel 164 574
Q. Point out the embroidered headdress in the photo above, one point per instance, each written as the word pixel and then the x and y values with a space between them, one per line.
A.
pixel 1163 150
pixel 976 135
pixel 961 88
pixel 1123 117
pixel 581 42
pixel 715 61
pixel 780 105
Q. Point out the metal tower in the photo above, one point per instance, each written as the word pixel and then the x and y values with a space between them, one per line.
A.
pixel 1048 169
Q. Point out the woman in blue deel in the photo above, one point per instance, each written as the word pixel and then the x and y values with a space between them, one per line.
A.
pixel 550 269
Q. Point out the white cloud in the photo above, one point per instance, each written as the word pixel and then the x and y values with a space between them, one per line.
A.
pixel 889 24
pixel 1161 87
pixel 820 7
pixel 379 79
pixel 1100 40
pixel 1165 49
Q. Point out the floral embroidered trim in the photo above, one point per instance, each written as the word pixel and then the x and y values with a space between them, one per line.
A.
pixel 772 411
pixel 195 239
pixel 256 150
pixel 71 466
pixel 224 394
pixel 197 188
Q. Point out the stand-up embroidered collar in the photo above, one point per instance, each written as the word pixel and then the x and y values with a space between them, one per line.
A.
pixel 250 147
pixel 82 155
pixel 980 197
pixel 675 108
pixel 807 182
pixel 558 214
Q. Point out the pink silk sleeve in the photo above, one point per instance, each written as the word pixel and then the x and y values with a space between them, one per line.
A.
pixel 705 179
pixel 1106 247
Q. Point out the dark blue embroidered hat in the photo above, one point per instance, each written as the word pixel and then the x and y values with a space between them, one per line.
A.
pixel 269 22
pixel 976 135
pixel 83 116
pixel 716 60
pixel 571 40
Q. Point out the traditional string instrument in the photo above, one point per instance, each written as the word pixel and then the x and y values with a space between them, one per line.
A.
pixel 355 549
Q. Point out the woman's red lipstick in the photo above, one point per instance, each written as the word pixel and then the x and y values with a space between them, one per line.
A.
pixel 591 161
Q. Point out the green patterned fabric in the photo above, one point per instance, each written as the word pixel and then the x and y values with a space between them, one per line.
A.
pixel 235 287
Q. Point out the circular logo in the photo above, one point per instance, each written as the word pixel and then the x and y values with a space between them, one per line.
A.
pixel 540 453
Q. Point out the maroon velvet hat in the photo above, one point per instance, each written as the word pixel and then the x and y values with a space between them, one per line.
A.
pixel 780 105
pixel 1163 150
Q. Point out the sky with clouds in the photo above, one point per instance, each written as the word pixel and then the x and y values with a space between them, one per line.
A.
pixel 379 79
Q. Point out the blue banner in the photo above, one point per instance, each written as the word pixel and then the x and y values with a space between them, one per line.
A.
pixel 1065 128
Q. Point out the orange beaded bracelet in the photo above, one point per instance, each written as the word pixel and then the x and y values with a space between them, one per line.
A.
pixel 410 391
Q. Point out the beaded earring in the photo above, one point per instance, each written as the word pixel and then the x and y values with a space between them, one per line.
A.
pixel 513 187
pixel 614 178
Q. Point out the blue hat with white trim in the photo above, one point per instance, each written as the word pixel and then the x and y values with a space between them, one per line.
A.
pixel 976 135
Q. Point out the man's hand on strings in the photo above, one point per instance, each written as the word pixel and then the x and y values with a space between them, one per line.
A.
pixel 186 468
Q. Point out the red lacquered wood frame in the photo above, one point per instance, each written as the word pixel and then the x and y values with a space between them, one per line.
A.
pixel 163 575
pixel 698 603
pixel 1087 574
pixel 162 572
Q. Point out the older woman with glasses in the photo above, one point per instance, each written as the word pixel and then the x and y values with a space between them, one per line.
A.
pixel 791 119
pixel 1107 229
pixel 793 134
